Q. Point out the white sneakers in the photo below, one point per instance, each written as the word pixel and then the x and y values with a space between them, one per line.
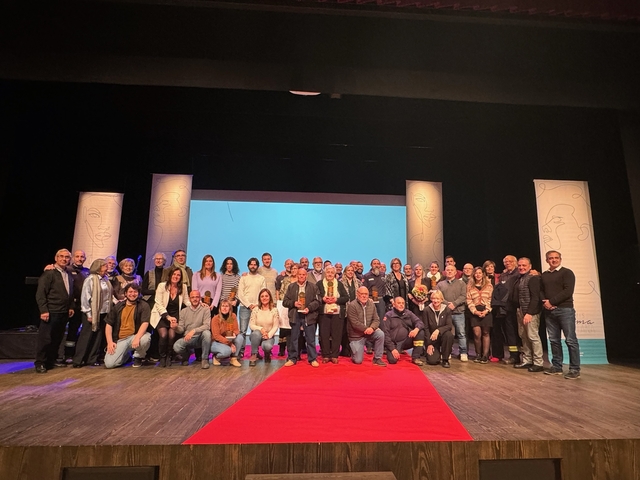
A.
pixel 464 357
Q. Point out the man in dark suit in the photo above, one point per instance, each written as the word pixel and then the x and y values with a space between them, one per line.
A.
pixel 54 297
pixel 303 313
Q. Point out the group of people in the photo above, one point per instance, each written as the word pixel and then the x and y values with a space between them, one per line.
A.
pixel 112 315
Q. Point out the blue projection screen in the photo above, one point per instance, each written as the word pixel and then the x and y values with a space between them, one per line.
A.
pixel 339 232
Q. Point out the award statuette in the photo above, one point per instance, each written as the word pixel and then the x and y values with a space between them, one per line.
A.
pixel 434 282
pixel 374 294
pixel 232 293
pixel 207 297
pixel 333 308
pixel 301 299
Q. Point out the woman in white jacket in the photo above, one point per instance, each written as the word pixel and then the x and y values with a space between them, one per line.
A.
pixel 170 297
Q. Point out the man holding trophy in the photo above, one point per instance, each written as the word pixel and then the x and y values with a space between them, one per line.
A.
pixel 303 301
pixel 331 319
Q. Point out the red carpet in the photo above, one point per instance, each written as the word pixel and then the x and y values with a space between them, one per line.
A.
pixel 337 403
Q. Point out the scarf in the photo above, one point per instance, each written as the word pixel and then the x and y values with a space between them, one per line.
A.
pixel 331 308
pixel 96 301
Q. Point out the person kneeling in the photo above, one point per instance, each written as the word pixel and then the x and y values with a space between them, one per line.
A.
pixel 194 322
pixel 402 330
pixel 439 331
pixel 364 325
pixel 225 334
pixel 127 323
pixel 264 324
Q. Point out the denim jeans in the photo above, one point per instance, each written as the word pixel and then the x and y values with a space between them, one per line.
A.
pixel 309 336
pixel 357 345
pixel 460 326
pixel 202 340
pixel 257 341
pixel 221 350
pixel 244 315
pixel 563 320
pixel 124 349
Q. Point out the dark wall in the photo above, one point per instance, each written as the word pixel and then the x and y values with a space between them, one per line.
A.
pixel 66 138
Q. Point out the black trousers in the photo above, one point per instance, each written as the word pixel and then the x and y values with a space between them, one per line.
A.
pixel 50 335
pixel 505 332
pixel 441 348
pixel 418 350
pixel 330 335
pixel 346 347
pixel 90 343
pixel 73 333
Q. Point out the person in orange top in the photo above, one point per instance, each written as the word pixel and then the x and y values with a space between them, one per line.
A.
pixel 225 334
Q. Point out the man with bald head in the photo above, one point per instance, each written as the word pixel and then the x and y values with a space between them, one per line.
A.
pixel 195 324
pixel 363 324
pixel 303 301
pixel 529 308
pixel 403 330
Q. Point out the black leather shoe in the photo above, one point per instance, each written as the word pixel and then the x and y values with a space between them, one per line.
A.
pixel 41 369
pixel 523 365
pixel 535 368
pixel 446 364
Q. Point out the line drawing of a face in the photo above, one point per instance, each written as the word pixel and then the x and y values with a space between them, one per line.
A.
pixel 565 223
pixel 421 207
pixel 561 222
pixel 424 245
pixel 98 232
pixel 168 225
pixel 168 204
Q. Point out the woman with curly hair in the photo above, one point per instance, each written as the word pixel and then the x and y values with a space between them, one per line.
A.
pixel 230 280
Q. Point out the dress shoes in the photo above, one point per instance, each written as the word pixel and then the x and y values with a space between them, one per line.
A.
pixel 41 369
pixel 508 361
pixel 535 368
pixel 523 365
pixel 325 360
pixel 446 364
pixel 334 361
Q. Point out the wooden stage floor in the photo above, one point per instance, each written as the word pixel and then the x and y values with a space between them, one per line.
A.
pixel 155 406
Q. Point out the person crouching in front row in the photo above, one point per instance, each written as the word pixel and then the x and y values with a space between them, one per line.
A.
pixel 439 336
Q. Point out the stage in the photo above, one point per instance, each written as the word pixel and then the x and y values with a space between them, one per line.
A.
pixel 142 416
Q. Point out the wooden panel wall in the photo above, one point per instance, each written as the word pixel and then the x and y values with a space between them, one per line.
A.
pixel 580 459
